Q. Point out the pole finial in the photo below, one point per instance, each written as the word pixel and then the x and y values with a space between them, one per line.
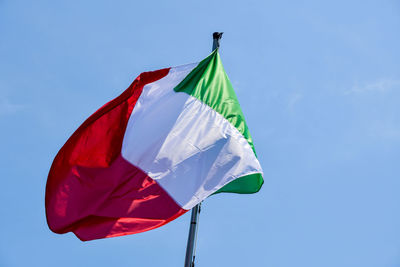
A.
pixel 216 37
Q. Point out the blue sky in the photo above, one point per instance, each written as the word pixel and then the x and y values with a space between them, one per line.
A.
pixel 319 84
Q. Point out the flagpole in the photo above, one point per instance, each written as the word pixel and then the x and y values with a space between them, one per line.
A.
pixel 194 220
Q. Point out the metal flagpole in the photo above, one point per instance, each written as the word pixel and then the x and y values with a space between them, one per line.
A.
pixel 190 249
pixel 194 220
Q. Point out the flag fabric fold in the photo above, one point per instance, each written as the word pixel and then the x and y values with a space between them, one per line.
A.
pixel 173 138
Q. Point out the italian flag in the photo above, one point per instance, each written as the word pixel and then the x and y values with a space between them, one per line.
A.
pixel 173 138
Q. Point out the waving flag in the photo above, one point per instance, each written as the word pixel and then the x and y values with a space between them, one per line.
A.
pixel 172 139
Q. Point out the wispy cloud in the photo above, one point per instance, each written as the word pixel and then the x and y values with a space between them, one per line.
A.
pixel 294 98
pixel 387 130
pixel 6 107
pixel 236 85
pixel 381 86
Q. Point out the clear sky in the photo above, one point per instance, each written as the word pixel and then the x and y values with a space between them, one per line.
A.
pixel 318 82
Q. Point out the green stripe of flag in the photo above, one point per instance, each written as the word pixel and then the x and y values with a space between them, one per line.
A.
pixel 244 185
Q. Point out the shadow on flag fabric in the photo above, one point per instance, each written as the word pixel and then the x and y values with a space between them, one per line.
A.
pixel 173 138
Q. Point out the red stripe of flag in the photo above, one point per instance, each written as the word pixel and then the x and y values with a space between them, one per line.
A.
pixel 95 193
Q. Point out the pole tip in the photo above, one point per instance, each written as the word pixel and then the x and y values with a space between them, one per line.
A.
pixel 217 35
